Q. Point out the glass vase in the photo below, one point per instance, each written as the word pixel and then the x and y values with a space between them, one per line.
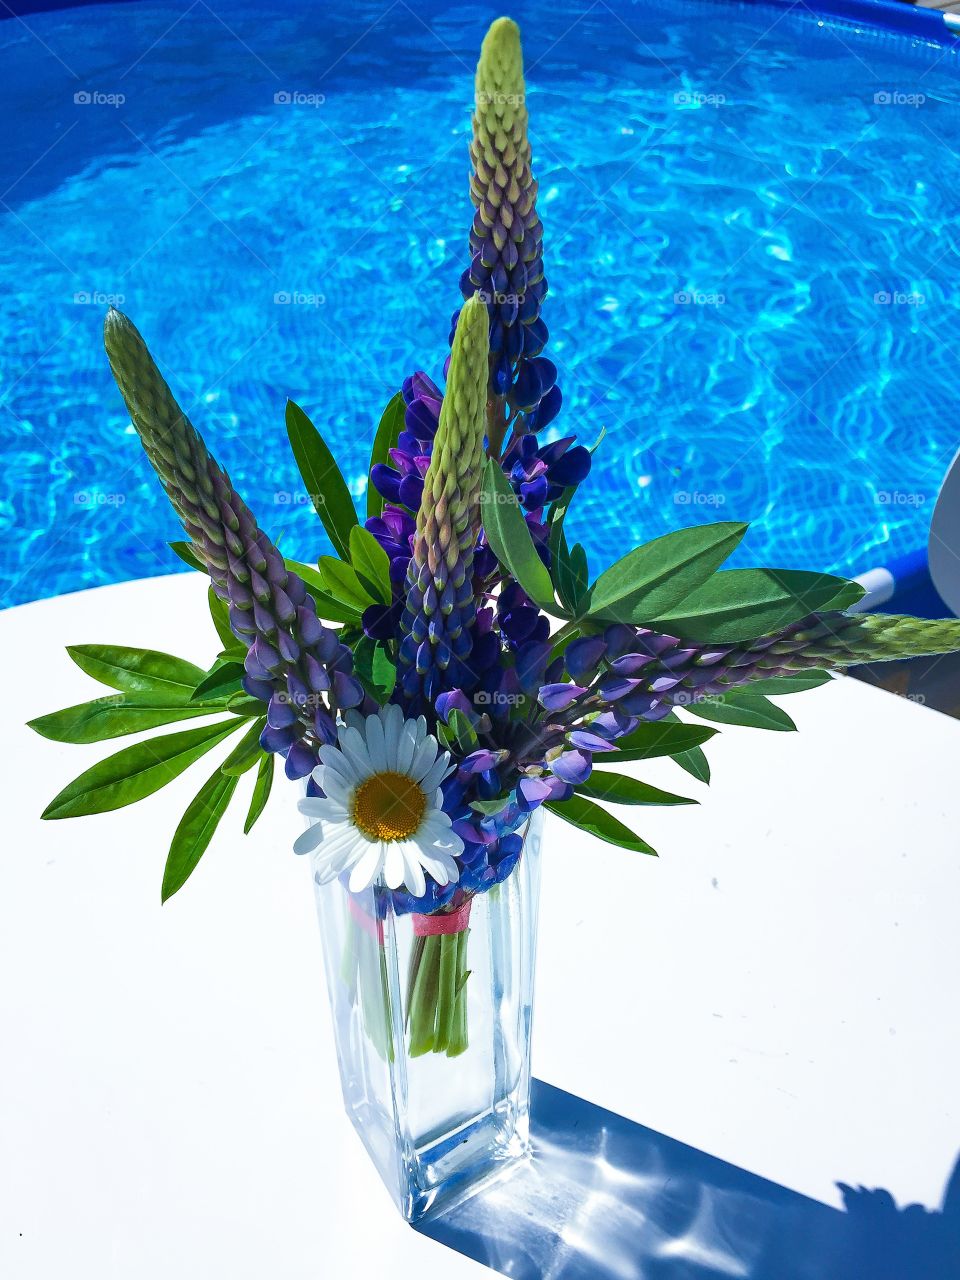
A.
pixel 432 1018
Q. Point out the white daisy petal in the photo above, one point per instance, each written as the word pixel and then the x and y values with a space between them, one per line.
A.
pixel 414 878
pixel 338 790
pixel 437 773
pixel 367 869
pixel 376 744
pixel 406 746
pixel 392 722
pixel 308 840
pixel 336 760
pixel 354 747
pixel 393 866
pixel 326 809
pixel 440 865
pixel 423 759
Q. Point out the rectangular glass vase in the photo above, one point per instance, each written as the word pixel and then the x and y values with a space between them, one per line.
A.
pixel 432 1019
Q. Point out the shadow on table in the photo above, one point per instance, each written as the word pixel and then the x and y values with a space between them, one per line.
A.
pixel 607 1199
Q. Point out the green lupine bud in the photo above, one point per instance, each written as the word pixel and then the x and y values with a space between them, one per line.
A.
pixel 840 640
pixel 440 607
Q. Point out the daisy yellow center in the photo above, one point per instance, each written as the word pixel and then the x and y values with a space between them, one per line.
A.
pixel 388 806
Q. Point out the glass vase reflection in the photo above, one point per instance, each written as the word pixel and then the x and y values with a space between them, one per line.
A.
pixel 432 1018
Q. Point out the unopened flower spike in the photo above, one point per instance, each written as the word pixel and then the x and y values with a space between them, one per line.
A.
pixel 293 662
pixel 436 627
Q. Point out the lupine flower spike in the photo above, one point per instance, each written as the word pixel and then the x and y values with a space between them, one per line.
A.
pixel 293 662
pixel 440 608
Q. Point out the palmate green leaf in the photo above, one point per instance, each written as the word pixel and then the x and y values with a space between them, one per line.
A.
pixel 618 788
pixel 137 771
pixel 137 670
pixel 371 563
pixel 374 668
pixel 741 604
pixel 195 831
pixel 340 580
pixel 247 751
pixel 654 578
pixel 510 539
pixel 221 681
pixel 326 486
pixel 650 740
pixel 261 793
pixel 329 608
pixel 388 433
pixel 752 711
pixel 116 716
pixel 590 817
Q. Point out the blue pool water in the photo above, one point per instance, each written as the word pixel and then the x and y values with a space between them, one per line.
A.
pixel 752 231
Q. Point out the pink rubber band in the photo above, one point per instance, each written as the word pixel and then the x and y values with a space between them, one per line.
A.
pixel 443 921
pixel 366 922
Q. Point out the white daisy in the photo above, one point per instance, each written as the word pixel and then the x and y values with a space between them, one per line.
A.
pixel 382 808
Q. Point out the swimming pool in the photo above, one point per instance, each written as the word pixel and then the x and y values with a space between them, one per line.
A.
pixel 752 243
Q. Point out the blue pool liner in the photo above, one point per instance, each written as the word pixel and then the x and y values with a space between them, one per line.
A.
pixel 894 15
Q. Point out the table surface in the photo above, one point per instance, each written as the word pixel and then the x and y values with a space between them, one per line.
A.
pixel 777 989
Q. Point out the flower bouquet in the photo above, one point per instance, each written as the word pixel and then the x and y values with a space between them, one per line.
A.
pixel 451 671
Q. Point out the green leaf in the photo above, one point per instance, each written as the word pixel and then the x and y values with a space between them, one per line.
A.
pixel 137 670
pixel 508 535
pixel 654 578
pixel 340 580
pixel 371 563
pixel 261 793
pixel 649 740
pixel 780 686
pixel 329 608
pixel 241 704
pixel 695 763
pixel 220 614
pixel 490 807
pixel 388 432
pixel 115 716
pixel 617 788
pixel 587 816
pixel 137 771
pixel 188 555
pixel 570 573
pixel 463 731
pixel 195 831
pixel 221 681
pixel 741 604
pixel 247 751
pixel 325 485
pixel 374 669
pixel 752 711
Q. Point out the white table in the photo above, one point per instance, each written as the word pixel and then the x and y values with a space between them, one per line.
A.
pixel 169 1104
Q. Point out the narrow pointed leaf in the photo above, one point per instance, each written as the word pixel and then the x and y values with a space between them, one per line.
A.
pixel 137 771
pixel 587 816
pixel 653 578
pixel 261 793
pixel 221 620
pixel 752 711
pixel 618 788
pixel 329 608
pixel 741 604
pixel 371 563
pixel 116 716
pixel 137 670
pixel 187 554
pixel 325 485
pixel 651 740
pixel 695 763
pixel 340 580
pixel 780 686
pixel 388 432
pixel 510 538
pixel 221 681
pixel 195 831
pixel 374 669
pixel 247 751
